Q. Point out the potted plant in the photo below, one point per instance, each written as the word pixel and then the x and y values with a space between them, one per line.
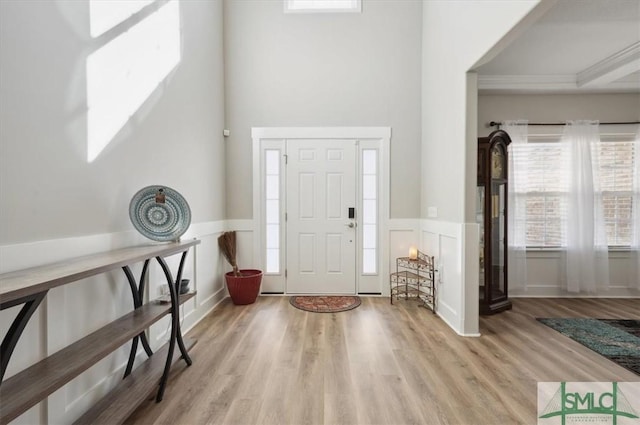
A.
pixel 243 285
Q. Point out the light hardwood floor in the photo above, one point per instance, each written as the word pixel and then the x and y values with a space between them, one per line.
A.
pixel 269 363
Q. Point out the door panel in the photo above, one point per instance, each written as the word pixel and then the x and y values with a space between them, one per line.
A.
pixel 321 245
pixel 306 253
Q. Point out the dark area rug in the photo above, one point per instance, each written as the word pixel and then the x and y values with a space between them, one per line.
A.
pixel 325 304
pixel 617 340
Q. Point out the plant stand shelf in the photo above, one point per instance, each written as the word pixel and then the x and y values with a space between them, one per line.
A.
pixel 28 288
pixel 415 278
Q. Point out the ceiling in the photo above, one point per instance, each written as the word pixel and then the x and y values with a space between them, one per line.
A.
pixel 577 46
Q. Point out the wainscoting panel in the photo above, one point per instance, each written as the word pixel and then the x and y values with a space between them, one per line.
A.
pixel 403 234
pixel 450 285
pixel 456 304
pixel 546 277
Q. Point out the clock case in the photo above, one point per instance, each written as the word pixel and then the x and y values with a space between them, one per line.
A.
pixel 491 215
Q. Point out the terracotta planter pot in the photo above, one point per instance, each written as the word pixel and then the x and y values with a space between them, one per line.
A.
pixel 244 289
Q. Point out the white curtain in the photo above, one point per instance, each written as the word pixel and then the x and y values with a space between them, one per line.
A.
pixel 587 255
pixel 635 236
pixel 517 219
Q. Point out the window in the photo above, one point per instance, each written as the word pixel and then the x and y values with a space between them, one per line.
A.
pixel 272 214
pixel 616 181
pixel 369 210
pixel 319 6
pixel 545 189
pixel 543 167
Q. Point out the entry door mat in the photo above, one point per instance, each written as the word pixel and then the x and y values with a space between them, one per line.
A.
pixel 325 304
pixel 617 340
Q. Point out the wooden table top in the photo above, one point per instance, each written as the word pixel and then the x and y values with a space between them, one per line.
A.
pixel 34 280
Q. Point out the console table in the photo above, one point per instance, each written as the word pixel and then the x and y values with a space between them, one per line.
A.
pixel 28 287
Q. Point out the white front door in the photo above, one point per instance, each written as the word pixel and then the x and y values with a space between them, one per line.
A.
pixel 321 238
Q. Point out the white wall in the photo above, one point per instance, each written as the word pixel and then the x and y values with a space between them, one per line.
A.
pixel 545 269
pixel 48 188
pixel 55 205
pixel 324 70
pixel 557 108
pixel 456 35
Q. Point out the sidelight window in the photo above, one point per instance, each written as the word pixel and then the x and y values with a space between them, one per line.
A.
pixel 272 203
pixel 369 211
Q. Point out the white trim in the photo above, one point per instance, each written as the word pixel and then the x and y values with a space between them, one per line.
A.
pixel 271 282
pixel 257 206
pixel 455 248
pixel 527 82
pixel 320 133
pixel 469 334
pixel 374 282
pixel 544 291
pixel 566 83
pixel 447 228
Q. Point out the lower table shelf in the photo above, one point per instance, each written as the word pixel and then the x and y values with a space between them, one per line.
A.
pixel 27 388
pixel 122 401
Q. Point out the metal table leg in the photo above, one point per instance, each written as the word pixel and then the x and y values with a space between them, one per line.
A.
pixel 10 340
pixel 137 292
pixel 176 335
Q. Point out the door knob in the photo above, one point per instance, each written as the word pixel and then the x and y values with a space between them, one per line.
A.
pixel 351 225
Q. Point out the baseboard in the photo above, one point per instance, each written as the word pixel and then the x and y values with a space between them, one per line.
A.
pixel 444 319
pixel 555 292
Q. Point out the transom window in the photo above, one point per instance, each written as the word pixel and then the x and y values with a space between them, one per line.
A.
pixel 319 6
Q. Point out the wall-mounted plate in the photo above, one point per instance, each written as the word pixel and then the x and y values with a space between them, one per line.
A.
pixel 159 213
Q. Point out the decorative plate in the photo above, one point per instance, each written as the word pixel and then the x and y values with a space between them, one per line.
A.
pixel 159 213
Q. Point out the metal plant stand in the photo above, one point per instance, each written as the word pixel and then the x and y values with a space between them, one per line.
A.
pixel 415 278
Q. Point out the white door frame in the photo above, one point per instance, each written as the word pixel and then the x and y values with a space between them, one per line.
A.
pixel 274 138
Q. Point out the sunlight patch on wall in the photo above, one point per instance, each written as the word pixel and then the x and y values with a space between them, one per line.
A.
pixel 123 73
pixel 106 14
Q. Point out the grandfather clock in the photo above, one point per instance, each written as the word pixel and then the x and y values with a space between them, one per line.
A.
pixel 491 214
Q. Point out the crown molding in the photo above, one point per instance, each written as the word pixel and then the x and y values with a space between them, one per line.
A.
pixel 526 82
pixel 566 83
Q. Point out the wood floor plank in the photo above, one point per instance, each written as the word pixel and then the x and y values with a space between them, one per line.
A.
pixel 269 363
pixel 339 409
